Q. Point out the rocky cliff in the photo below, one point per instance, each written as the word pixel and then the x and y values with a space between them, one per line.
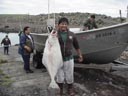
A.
pixel 16 22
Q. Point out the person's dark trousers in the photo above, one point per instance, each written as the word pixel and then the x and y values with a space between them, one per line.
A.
pixel 6 49
pixel 26 59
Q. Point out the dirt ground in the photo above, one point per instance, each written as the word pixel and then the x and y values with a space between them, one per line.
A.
pixel 15 82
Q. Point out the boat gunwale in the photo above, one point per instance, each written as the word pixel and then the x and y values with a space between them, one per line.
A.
pixel 102 28
pixel 43 34
pixel 88 31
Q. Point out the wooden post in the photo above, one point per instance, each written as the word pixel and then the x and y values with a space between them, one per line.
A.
pixel 120 16
pixel 127 14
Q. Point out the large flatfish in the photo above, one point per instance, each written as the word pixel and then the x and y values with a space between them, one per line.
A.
pixel 52 57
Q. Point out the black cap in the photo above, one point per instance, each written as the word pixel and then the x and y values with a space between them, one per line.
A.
pixel 93 16
pixel 63 19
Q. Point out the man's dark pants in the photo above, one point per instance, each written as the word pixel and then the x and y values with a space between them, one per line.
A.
pixel 6 49
pixel 26 59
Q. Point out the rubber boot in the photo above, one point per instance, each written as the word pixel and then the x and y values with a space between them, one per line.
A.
pixel 71 91
pixel 61 89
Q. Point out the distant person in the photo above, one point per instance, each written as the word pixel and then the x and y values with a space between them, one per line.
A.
pixel 6 42
pixel 90 23
pixel 68 41
pixel 26 48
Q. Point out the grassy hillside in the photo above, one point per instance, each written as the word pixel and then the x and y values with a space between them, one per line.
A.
pixel 15 22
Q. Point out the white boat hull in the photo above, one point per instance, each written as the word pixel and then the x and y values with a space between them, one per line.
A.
pixel 99 46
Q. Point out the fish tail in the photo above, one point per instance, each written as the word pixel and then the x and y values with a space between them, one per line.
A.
pixel 53 85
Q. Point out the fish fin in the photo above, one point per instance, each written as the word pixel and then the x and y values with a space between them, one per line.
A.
pixel 53 85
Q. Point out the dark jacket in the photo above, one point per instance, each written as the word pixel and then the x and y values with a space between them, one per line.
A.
pixel 90 24
pixel 25 41
pixel 67 47
pixel 6 41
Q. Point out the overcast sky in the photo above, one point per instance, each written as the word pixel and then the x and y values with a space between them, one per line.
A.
pixel 107 7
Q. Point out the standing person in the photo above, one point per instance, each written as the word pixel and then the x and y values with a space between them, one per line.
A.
pixel 26 48
pixel 6 42
pixel 90 23
pixel 67 40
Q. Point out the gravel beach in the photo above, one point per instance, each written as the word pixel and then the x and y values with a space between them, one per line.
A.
pixel 15 82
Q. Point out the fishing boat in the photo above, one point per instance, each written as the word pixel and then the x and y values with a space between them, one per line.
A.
pixel 100 46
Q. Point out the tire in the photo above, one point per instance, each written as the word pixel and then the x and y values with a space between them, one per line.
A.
pixel 37 60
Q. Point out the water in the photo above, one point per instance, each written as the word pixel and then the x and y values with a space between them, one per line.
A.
pixel 14 38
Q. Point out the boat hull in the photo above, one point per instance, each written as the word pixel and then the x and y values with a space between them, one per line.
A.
pixel 104 56
pixel 99 46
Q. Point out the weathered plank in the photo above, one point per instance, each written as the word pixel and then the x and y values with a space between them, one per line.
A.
pixel 104 67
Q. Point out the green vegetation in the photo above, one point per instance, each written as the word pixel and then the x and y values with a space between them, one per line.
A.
pixel 3 61
pixel 4 79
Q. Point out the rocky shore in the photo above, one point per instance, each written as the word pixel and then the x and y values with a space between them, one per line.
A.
pixel 16 22
pixel 15 82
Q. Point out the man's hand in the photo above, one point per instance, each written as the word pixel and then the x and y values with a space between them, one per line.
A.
pixel 80 59
pixel 28 48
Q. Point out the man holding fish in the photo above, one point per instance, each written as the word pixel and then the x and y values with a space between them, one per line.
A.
pixel 67 41
pixel 65 71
